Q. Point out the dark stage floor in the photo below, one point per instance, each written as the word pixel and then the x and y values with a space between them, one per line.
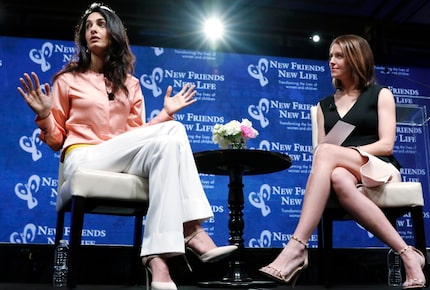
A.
pixel 15 286
pixel 108 268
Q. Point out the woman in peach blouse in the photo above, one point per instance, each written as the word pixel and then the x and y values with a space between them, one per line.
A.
pixel 93 114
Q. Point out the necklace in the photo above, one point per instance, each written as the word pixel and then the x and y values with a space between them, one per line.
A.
pixel 111 96
pixel 109 92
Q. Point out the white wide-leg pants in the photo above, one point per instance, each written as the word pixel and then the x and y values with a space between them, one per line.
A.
pixel 162 154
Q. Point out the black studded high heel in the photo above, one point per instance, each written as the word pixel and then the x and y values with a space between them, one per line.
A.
pixel 210 256
pixel 154 284
pixel 289 278
pixel 414 283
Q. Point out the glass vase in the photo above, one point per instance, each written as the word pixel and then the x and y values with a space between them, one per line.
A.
pixel 237 145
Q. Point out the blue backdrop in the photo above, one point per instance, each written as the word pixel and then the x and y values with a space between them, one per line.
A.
pixel 275 93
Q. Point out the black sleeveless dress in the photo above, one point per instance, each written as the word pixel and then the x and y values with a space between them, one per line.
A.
pixel 363 115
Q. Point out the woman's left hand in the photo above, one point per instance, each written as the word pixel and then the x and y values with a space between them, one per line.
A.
pixel 183 99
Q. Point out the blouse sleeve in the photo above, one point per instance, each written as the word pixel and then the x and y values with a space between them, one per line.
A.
pixel 137 114
pixel 137 107
pixel 163 116
pixel 53 127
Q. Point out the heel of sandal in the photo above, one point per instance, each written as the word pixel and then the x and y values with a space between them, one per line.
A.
pixel 212 255
pixel 155 285
pixel 414 283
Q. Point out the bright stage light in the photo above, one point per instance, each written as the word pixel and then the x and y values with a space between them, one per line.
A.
pixel 213 29
pixel 315 38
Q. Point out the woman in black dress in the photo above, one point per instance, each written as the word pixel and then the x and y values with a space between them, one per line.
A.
pixel 364 157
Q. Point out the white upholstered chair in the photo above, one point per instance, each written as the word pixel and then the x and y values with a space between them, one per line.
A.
pixel 395 198
pixel 99 192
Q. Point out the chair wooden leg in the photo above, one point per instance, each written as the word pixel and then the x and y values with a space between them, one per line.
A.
pixel 135 255
pixel 325 247
pixel 328 250
pixel 77 221
pixel 418 220
pixel 59 230
pixel 321 251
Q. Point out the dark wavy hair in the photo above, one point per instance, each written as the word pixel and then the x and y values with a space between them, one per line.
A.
pixel 119 59
pixel 359 56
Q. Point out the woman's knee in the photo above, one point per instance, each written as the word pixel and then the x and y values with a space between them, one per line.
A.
pixel 342 181
pixel 167 141
pixel 175 124
pixel 177 129
pixel 324 152
pixel 324 149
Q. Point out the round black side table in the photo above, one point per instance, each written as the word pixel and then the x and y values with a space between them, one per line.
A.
pixel 236 163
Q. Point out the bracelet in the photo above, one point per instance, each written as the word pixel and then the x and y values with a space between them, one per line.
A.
pixel 40 118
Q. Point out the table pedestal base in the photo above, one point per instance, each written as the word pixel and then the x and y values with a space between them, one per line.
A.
pixel 237 284
pixel 237 278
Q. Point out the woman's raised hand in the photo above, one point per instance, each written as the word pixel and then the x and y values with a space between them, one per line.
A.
pixel 32 93
pixel 183 99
